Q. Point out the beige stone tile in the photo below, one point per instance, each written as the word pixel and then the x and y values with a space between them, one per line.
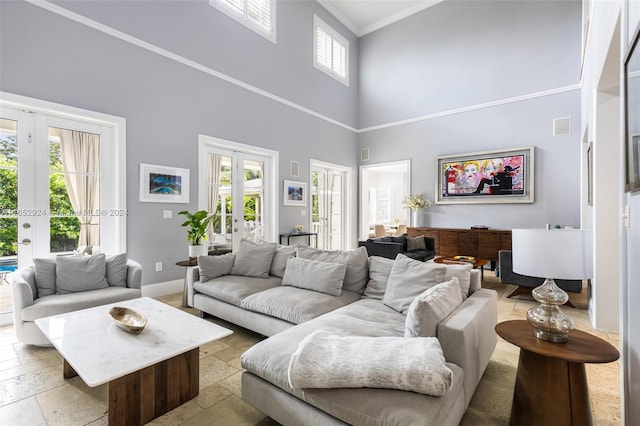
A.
pixel 606 410
pixel 29 384
pixel 212 370
pixel 74 403
pixel 23 412
pixel 7 353
pixel 30 353
pixel 211 395
pixel 38 364
pixel 233 384
pixel 180 415
pixel 229 354
pixel 233 411
pixel 213 347
pixel 235 363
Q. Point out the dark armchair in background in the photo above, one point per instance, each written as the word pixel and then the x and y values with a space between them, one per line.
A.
pixel 526 283
pixel 419 248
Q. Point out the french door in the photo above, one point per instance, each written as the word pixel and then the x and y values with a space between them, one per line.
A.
pixel 236 187
pixel 329 204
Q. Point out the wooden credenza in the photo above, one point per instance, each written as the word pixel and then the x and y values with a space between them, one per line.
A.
pixel 482 243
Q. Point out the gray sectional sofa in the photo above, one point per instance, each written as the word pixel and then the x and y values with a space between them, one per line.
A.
pixel 287 312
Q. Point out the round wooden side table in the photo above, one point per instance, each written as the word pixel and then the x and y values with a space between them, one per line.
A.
pixel 186 263
pixel 551 383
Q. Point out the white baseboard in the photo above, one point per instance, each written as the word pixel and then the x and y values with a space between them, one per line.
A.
pixel 163 289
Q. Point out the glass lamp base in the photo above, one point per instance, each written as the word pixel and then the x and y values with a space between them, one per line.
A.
pixel 547 319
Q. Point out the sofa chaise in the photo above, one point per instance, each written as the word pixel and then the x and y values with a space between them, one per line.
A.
pixel 271 305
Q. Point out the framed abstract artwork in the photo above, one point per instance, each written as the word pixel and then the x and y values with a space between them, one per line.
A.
pixel 161 184
pixel 294 193
pixel 504 176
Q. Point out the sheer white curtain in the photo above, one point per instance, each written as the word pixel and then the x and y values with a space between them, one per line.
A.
pixel 214 188
pixel 81 160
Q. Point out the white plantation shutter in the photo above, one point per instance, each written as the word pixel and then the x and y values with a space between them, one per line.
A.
pixel 259 15
pixel 331 51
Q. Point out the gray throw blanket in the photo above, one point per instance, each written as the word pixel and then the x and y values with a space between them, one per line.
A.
pixel 325 360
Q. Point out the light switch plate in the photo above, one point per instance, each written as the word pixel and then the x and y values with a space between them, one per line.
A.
pixel 167 214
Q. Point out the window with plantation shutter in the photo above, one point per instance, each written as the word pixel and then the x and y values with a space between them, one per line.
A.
pixel 330 51
pixel 258 15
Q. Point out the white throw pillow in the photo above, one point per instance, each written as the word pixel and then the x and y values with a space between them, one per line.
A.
pixel 379 271
pixel 432 306
pixel 211 267
pixel 324 277
pixel 116 269
pixel 80 273
pixel 408 279
pixel 253 259
pixel 463 274
pixel 279 262
pixel 356 261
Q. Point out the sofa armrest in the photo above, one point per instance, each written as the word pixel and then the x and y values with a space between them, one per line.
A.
pixel 468 336
pixel 192 277
pixel 22 283
pixel 134 274
pixel 430 244
pixel 383 248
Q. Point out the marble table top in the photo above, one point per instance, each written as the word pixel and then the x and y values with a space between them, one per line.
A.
pixel 99 351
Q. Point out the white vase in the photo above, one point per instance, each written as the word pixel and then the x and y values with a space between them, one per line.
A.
pixel 419 218
pixel 199 250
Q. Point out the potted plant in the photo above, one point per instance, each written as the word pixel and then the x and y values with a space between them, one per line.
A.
pixel 198 223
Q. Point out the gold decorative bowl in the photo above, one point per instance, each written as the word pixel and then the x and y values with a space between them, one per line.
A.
pixel 128 319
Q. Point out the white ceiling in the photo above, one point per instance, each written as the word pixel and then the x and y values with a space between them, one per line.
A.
pixel 365 16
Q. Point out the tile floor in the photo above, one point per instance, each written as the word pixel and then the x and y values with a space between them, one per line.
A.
pixel 33 392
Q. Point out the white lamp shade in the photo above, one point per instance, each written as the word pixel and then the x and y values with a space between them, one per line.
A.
pixel 553 253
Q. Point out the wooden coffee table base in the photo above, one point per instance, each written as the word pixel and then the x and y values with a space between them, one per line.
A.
pixel 143 395
pixel 554 389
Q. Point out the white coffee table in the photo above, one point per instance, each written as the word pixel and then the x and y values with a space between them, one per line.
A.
pixel 149 373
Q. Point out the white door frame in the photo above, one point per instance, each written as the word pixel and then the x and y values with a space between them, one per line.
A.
pixel 346 196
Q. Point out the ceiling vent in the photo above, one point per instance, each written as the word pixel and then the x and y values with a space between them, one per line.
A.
pixel 294 169
pixel 364 154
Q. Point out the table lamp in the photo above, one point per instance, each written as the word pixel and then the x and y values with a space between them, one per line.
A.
pixel 552 253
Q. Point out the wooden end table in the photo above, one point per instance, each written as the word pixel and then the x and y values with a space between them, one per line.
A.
pixel 451 260
pixel 192 262
pixel 551 383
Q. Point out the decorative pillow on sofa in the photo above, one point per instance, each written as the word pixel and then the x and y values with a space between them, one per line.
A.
pixel 356 260
pixel 432 306
pixel 211 267
pixel 324 277
pixel 279 263
pixel 253 259
pixel 45 275
pixel 416 243
pixel 116 267
pixel 379 271
pixel 463 274
pixel 408 279
pixel 80 273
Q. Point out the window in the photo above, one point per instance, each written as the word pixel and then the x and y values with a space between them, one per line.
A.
pixel 258 15
pixel 330 51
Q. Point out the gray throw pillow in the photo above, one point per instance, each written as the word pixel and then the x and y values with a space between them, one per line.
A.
pixel 379 271
pixel 45 275
pixel 116 269
pixel 357 262
pixel 416 243
pixel 431 307
pixel 280 257
pixel 408 279
pixel 80 273
pixel 314 275
pixel 463 274
pixel 211 267
pixel 253 259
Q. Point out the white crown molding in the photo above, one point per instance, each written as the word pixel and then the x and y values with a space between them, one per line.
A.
pixel 397 17
pixel 473 107
pixel 340 17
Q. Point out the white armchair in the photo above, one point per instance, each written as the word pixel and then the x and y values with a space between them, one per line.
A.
pixel 27 306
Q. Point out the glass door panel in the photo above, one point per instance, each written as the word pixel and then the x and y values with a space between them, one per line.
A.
pixel 220 201
pixel 253 198
pixel 328 207
pixel 8 208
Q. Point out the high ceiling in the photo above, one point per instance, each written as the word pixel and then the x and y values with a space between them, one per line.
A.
pixel 365 16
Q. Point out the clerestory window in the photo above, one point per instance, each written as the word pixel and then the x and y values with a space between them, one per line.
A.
pixel 258 15
pixel 330 51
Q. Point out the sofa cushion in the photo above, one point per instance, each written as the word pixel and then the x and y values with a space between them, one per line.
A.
pixel 234 288
pixel 253 259
pixel 211 267
pixel 416 243
pixel 45 273
pixel 116 269
pixel 432 306
pixel 296 305
pixel 379 270
pixel 61 303
pixel 463 274
pixel 80 273
pixel 408 279
pixel 324 277
pixel 280 257
pixel 357 261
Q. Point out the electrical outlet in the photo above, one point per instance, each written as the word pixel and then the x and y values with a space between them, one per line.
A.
pixel 167 214
pixel 158 266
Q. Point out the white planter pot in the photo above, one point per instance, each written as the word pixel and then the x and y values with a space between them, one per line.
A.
pixel 420 218
pixel 199 250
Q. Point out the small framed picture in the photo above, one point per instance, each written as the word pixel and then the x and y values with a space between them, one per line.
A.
pixel 161 184
pixel 295 193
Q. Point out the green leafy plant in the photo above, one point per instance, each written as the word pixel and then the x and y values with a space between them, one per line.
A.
pixel 198 223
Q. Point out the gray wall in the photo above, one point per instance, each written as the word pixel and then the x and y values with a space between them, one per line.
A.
pixel 460 54
pixel 167 104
